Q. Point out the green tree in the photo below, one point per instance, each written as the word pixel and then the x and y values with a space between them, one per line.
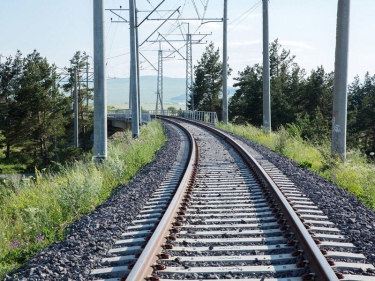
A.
pixel 208 81
pixel 80 63
pixel 10 72
pixel 318 93
pixel 283 71
pixel 286 80
pixel 172 110
pixel 40 109
pixel 245 106
pixel 361 113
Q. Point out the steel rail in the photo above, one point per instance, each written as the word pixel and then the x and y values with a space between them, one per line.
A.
pixel 317 262
pixel 144 265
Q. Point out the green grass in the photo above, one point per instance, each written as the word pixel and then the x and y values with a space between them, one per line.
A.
pixel 34 213
pixel 12 165
pixel 355 176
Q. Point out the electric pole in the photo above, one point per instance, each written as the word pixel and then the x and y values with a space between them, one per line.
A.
pixel 339 113
pixel 137 54
pixel 76 134
pixel 188 58
pixel 100 101
pixel 266 72
pixel 133 71
pixel 225 71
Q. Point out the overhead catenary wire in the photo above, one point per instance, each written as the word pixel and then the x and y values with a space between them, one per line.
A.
pixel 110 49
pixel 241 18
pixel 250 11
pixel 172 29
pixel 196 9
pixel 187 7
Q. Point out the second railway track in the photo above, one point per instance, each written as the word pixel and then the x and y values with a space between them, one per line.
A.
pixel 235 219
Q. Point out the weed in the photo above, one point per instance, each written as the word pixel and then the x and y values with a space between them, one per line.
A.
pixel 35 213
pixel 355 176
pixel 305 164
pixel 281 140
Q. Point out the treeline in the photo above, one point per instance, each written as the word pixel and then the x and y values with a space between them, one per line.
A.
pixel 36 113
pixel 299 101
pixel 305 100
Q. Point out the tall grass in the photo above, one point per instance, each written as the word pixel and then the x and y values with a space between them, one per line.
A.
pixel 356 175
pixel 35 212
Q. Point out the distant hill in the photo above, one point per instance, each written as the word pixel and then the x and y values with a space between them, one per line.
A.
pixel 173 90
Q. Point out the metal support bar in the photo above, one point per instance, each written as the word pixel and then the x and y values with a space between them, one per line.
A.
pixel 148 61
pixel 171 46
pixel 146 18
pixel 112 11
pixel 210 19
pixel 165 20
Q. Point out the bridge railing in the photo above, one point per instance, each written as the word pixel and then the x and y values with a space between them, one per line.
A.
pixel 204 116
pixel 126 115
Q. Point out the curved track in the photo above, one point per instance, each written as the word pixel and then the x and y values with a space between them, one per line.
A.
pixel 233 216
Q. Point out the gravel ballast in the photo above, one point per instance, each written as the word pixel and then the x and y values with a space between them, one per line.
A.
pixel 89 239
pixel 351 216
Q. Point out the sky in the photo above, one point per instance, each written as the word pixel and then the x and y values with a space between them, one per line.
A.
pixel 57 29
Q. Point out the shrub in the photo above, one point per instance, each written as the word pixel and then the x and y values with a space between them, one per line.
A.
pixel 34 213
pixel 355 176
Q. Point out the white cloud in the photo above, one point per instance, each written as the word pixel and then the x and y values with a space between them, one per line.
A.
pixel 244 59
pixel 238 26
pixel 245 43
pixel 296 44
pixel 282 42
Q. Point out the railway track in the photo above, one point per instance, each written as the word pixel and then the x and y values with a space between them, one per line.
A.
pixel 230 216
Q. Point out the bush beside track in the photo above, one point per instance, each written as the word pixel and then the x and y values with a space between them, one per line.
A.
pixel 34 213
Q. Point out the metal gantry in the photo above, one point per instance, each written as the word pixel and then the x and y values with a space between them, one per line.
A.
pixel 159 92
pixel 188 41
pixel 189 70
pixel 188 57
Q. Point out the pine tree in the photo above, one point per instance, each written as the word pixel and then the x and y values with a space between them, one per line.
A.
pixel 79 62
pixel 10 72
pixel 208 82
pixel 286 80
pixel 361 113
pixel 40 108
pixel 282 66
pixel 245 106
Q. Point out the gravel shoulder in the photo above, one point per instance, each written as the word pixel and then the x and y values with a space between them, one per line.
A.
pixel 351 216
